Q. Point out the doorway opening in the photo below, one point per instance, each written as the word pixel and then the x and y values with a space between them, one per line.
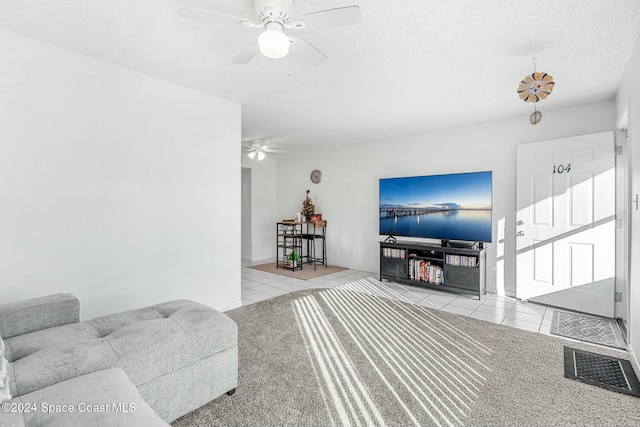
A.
pixel 245 227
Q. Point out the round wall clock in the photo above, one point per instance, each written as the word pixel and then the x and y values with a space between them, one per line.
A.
pixel 316 176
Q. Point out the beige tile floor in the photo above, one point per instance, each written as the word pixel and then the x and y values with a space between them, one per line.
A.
pixel 259 286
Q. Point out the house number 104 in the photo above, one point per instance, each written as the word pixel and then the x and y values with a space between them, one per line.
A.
pixel 561 168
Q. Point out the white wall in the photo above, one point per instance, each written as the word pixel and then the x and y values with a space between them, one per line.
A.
pixel 114 186
pixel 348 194
pixel 628 102
pixel 263 207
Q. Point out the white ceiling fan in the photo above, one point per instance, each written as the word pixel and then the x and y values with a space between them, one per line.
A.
pixel 256 148
pixel 274 17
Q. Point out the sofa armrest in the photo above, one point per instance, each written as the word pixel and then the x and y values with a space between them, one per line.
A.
pixel 35 314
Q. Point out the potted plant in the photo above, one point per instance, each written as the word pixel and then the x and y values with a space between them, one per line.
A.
pixel 294 259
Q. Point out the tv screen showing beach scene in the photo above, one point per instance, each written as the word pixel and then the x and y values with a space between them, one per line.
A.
pixel 449 207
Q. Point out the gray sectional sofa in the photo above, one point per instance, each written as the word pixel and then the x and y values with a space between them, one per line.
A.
pixel 144 367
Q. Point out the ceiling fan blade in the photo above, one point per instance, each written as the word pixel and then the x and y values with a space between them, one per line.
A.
pixel 307 51
pixel 247 53
pixel 218 18
pixel 337 17
pixel 273 150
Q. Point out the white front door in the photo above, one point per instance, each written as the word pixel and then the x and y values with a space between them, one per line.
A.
pixel 565 223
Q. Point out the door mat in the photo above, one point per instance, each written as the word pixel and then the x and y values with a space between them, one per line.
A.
pixel 596 330
pixel 607 372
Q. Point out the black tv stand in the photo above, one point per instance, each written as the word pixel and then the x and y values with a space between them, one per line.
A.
pixel 458 270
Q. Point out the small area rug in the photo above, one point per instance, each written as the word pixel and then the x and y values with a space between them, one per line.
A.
pixel 350 356
pixel 582 327
pixel 611 373
pixel 306 273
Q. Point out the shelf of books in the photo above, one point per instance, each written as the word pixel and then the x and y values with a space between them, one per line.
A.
pixel 423 271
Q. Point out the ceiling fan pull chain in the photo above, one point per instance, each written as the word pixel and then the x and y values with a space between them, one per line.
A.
pixel 290 73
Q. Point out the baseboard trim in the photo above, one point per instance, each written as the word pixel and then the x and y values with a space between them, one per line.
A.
pixel 231 306
pixel 634 359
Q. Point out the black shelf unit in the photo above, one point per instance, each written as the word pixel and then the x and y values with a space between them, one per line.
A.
pixel 431 266
pixel 289 239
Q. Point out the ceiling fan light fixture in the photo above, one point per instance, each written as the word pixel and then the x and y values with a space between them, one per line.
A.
pixel 275 18
pixel 273 42
pixel 256 152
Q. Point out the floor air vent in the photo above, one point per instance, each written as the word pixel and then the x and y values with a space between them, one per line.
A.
pixel 602 371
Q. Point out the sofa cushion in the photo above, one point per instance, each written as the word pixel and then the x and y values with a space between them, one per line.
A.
pixel 148 349
pixel 23 317
pixel 106 325
pixel 5 394
pixel 186 332
pixel 102 398
pixel 58 363
pixel 24 345
pixel 206 330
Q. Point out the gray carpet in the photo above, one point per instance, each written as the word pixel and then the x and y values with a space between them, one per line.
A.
pixel 597 330
pixel 345 357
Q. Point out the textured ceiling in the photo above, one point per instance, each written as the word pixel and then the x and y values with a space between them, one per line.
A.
pixel 410 66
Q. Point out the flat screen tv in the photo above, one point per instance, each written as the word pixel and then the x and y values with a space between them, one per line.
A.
pixel 448 207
